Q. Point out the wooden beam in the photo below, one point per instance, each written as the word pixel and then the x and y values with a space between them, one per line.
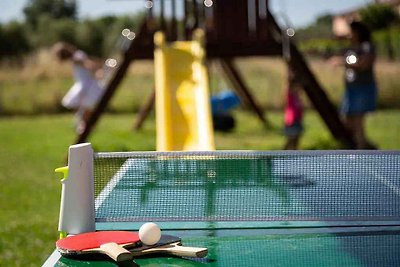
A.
pixel 242 90
pixel 195 14
pixel 185 19
pixel 162 16
pixel 145 111
pixel 224 49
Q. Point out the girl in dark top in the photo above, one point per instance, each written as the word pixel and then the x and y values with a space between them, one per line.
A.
pixel 360 96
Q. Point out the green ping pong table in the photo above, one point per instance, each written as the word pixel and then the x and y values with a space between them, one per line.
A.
pixel 333 247
pixel 332 208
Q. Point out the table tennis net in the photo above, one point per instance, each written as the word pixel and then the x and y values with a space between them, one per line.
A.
pixel 247 186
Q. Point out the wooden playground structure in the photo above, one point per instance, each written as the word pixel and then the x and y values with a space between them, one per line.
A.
pixel 233 28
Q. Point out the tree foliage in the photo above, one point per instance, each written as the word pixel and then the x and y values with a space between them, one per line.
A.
pixel 50 31
pixel 321 28
pixel 55 9
pixel 14 40
pixel 378 16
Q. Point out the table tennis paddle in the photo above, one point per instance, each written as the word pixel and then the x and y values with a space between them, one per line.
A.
pixel 170 245
pixel 111 243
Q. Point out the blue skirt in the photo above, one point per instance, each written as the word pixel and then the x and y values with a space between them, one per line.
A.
pixel 294 130
pixel 359 99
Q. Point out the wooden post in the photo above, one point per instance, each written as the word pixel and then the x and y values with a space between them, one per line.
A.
pixel 240 87
pixel 174 24
pixel 185 19
pixel 195 14
pixel 145 111
pixel 162 16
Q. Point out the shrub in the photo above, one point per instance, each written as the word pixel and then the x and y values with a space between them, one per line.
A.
pixel 323 47
pixel 387 42
pixel 50 31
pixel 14 41
pixel 378 16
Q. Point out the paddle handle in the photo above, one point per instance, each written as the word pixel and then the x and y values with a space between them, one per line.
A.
pixel 183 251
pixel 116 252
pixel 177 250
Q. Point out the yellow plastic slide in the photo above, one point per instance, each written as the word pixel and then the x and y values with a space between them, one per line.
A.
pixel 183 112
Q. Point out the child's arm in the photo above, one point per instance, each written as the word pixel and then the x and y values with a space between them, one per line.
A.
pixel 367 59
pixel 336 61
pixel 94 65
pixel 364 60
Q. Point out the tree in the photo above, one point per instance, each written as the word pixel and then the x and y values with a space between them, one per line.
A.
pixel 324 19
pixel 50 31
pixel 320 29
pixel 378 16
pixel 13 40
pixel 53 8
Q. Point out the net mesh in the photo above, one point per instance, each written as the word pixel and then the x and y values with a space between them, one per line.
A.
pixel 247 186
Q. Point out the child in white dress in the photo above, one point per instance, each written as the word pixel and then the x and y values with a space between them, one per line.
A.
pixel 86 91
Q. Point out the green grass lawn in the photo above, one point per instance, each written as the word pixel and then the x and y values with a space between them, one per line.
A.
pixel 32 147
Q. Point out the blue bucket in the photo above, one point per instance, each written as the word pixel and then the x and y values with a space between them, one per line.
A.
pixel 224 102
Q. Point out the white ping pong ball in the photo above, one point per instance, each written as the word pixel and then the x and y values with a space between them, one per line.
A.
pixel 149 233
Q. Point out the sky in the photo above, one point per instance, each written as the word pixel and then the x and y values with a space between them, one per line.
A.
pixel 300 12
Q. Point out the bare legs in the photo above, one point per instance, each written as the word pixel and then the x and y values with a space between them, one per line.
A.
pixel 82 116
pixel 356 124
pixel 292 143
